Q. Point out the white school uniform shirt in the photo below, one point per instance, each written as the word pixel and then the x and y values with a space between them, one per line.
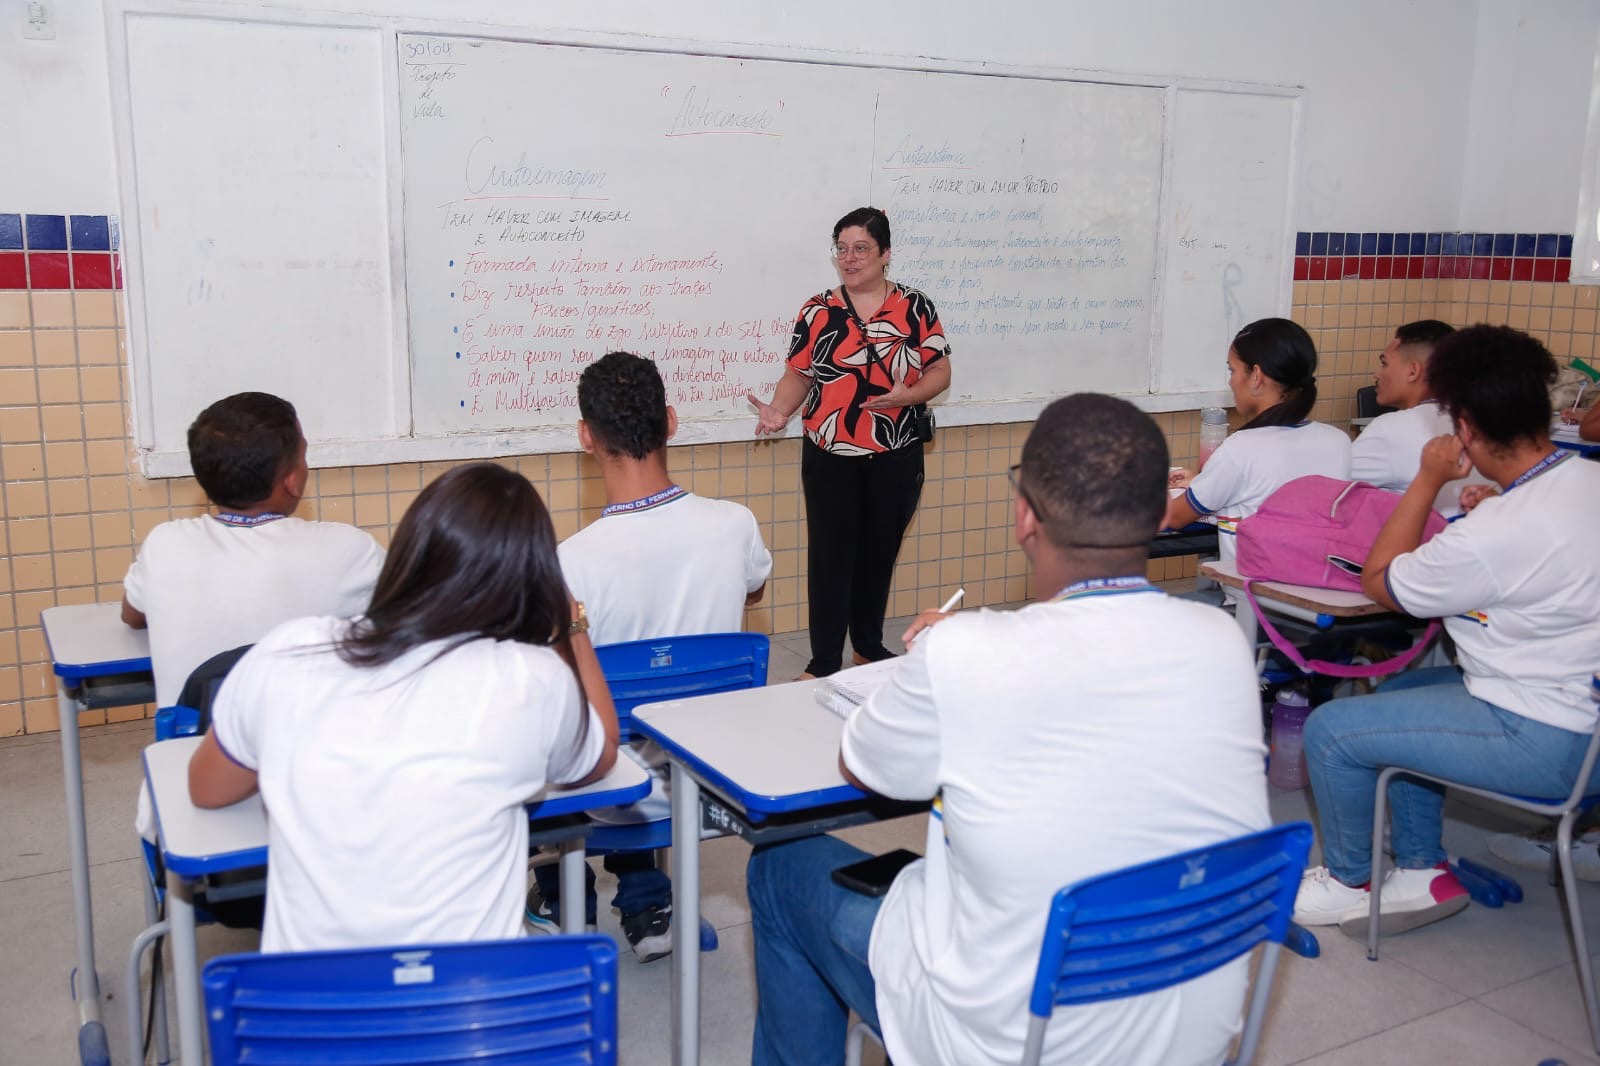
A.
pixel 1064 740
pixel 673 568
pixel 1252 464
pixel 395 794
pixel 1388 453
pixel 1517 582
pixel 206 586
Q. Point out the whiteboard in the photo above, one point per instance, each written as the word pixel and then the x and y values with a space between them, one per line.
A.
pixel 258 252
pixel 420 236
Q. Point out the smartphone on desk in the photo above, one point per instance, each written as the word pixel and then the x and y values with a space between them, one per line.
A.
pixel 872 877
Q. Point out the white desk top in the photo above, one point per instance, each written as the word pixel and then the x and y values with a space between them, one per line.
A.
pixel 771 749
pixel 197 840
pixel 84 638
pixel 1333 602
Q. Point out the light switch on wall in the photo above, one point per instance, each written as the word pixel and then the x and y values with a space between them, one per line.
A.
pixel 38 20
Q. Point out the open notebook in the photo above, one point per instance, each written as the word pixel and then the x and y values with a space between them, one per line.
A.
pixel 846 690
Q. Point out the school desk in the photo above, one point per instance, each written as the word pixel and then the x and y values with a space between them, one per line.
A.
pixel 197 844
pixel 99 662
pixel 1567 437
pixel 759 763
pixel 1320 607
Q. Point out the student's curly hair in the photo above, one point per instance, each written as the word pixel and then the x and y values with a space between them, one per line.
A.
pixel 1094 470
pixel 624 404
pixel 241 445
pixel 1499 378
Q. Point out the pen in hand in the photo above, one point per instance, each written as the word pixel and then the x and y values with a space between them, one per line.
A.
pixel 928 618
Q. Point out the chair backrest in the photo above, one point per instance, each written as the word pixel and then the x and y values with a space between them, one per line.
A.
pixel 192 713
pixel 545 1000
pixel 649 671
pixel 1367 405
pixel 1161 923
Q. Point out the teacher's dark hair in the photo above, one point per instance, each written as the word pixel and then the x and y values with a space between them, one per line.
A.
pixel 624 404
pixel 474 556
pixel 1284 352
pixel 875 222
pixel 1094 470
pixel 1499 378
pixel 241 445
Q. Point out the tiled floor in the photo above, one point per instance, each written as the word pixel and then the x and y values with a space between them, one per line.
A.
pixel 1489 987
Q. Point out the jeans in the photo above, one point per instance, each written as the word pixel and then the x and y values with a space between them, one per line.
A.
pixel 640 885
pixel 1424 720
pixel 811 940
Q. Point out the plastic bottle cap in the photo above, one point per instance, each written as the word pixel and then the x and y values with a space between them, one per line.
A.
pixel 1214 415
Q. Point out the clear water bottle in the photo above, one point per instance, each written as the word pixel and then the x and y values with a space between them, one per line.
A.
pixel 1287 766
pixel 1213 431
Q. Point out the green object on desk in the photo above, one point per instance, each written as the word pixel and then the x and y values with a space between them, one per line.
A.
pixel 1586 370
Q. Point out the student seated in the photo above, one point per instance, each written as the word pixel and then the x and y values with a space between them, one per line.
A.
pixel 1516 583
pixel 1387 452
pixel 395 751
pixel 659 562
pixel 1105 725
pixel 1272 371
pixel 205 585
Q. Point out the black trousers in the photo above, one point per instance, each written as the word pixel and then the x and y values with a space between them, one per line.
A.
pixel 857 511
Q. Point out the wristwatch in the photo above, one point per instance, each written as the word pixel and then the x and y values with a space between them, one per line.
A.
pixel 580 619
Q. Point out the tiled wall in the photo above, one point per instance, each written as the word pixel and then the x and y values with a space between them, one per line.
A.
pixel 73 508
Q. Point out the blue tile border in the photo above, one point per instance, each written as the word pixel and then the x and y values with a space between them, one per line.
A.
pixel 10 231
pixel 91 233
pixel 46 233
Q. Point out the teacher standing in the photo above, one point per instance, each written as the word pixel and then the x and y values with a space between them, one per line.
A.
pixel 862 359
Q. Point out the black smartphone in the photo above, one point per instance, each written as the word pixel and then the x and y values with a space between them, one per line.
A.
pixel 1349 566
pixel 872 877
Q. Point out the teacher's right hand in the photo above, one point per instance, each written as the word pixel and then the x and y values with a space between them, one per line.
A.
pixel 768 418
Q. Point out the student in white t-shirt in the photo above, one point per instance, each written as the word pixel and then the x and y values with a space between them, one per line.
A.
pixel 394 751
pixel 208 584
pixel 1104 725
pixel 1516 582
pixel 659 562
pixel 1272 371
pixel 1388 451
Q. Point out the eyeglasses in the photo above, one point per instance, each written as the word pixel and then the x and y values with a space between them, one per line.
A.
pixel 845 251
pixel 1014 475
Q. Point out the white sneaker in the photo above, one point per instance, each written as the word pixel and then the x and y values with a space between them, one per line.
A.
pixel 1323 900
pixel 1410 898
pixel 1533 850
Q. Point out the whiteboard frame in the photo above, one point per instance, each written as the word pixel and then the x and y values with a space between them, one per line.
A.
pixel 479 445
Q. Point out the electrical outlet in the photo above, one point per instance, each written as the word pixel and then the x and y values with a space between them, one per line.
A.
pixel 38 20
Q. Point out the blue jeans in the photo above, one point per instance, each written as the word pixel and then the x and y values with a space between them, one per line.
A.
pixel 811 952
pixel 640 885
pixel 1425 720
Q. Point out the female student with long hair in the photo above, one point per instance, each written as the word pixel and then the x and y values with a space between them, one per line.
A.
pixel 1272 371
pixel 394 751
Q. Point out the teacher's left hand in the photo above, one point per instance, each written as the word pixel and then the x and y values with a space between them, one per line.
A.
pixel 899 396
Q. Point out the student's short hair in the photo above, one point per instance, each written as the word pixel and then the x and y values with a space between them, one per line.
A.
pixel 1496 376
pixel 241 445
pixel 1094 469
pixel 871 219
pixel 624 404
pixel 1425 333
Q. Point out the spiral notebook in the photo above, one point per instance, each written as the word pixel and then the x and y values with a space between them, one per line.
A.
pixel 846 690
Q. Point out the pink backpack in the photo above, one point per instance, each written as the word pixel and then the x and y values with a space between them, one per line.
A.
pixel 1317 531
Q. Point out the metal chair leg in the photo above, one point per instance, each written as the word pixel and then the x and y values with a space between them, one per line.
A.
pixel 1580 942
pixel 1380 804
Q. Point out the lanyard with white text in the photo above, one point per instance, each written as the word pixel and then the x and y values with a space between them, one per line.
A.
pixel 666 495
pixel 229 519
pixel 1103 586
pixel 1538 468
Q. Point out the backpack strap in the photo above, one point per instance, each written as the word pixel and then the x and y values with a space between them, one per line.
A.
pixel 1344 670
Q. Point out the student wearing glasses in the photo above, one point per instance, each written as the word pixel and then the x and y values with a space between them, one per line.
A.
pixel 862 359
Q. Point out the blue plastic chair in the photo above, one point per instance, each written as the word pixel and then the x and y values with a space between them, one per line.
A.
pixel 672 668
pixel 1159 924
pixel 1165 922
pixel 551 1001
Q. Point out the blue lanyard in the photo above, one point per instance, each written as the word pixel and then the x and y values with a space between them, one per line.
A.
pixel 666 495
pixel 247 520
pixel 1103 586
pixel 1538 468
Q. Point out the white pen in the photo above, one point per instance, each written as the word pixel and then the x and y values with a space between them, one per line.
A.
pixel 950 604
